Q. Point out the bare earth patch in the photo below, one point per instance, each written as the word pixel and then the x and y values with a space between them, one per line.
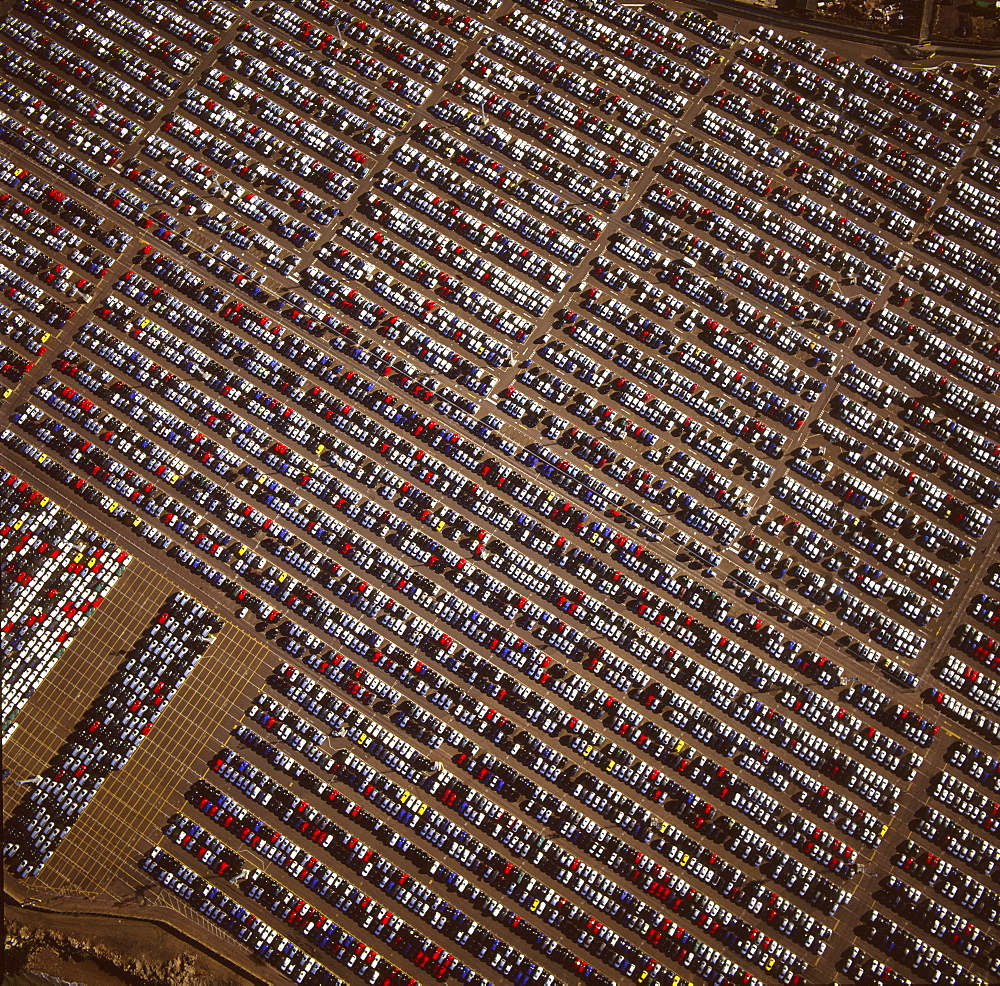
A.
pixel 107 951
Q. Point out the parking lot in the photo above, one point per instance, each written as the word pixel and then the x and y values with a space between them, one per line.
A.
pixel 131 805
pixel 587 415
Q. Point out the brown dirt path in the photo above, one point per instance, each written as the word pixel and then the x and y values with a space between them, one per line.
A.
pixel 111 950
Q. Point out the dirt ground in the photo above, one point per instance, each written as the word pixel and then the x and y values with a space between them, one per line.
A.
pixel 964 21
pixel 108 951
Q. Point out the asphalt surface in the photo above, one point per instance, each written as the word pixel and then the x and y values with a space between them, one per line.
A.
pixel 242 676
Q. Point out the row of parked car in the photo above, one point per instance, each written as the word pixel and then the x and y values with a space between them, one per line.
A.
pixel 941 922
pixel 54 558
pixel 948 880
pixel 292 684
pixel 109 733
pixel 223 910
pixel 516 885
pixel 411 892
pixel 919 955
pixel 663 46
